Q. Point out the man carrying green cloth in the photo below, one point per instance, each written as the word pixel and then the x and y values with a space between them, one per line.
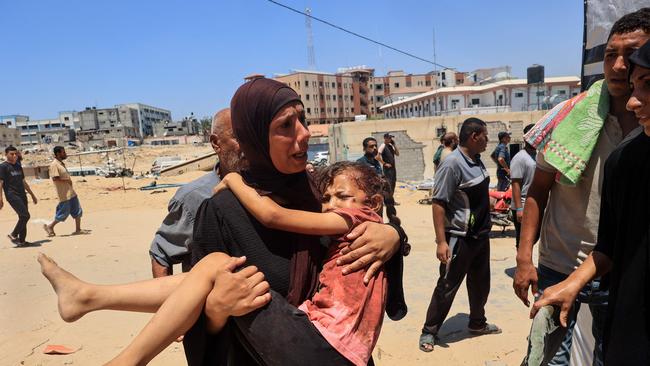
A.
pixel 573 142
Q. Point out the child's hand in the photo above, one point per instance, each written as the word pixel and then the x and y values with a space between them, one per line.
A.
pixel 220 187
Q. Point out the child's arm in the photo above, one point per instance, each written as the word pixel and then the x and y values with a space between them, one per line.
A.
pixel 274 216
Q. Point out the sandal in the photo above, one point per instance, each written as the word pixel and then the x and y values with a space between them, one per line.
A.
pixel 486 329
pixel 427 340
pixel 50 233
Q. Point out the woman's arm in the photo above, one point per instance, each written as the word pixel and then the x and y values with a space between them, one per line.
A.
pixel 274 216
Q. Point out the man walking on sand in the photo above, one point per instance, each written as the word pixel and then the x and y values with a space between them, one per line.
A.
pixel 13 184
pixel 68 201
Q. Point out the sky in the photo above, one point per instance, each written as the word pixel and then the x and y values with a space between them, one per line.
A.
pixel 190 56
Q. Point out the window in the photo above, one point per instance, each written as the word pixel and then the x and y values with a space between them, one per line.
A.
pixel 334 97
pixel 476 101
pixel 396 85
pixel 443 76
pixel 540 93
pixel 352 109
pixel 379 98
pixel 408 84
pixel 519 95
pixel 306 83
pixel 561 92
pixel 66 118
pixel 379 86
pixel 320 84
pixel 334 109
pixel 333 85
pixel 351 98
pixel 307 96
pixel 427 83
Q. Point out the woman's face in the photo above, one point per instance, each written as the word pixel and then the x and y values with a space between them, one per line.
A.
pixel 288 139
pixel 639 101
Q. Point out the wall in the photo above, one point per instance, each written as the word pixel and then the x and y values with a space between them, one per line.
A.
pixel 345 138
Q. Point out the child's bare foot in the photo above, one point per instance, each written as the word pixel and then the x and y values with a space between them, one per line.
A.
pixel 72 299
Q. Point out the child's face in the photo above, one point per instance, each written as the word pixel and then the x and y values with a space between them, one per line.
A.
pixel 343 193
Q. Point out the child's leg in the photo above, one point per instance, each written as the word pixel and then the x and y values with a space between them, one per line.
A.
pixel 76 298
pixel 179 312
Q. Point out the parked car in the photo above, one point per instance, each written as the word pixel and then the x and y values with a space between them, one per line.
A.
pixel 321 157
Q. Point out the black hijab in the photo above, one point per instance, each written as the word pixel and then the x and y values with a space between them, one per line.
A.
pixel 252 108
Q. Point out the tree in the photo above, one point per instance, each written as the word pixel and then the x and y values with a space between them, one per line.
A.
pixel 206 123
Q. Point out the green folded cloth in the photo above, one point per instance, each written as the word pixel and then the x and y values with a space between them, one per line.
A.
pixel 573 140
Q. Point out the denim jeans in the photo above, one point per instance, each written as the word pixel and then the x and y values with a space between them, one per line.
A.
pixel 591 295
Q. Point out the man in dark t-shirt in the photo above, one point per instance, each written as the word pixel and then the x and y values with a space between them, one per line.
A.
pixel 461 220
pixel 12 181
pixel 369 154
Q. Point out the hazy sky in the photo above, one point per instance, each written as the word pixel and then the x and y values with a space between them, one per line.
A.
pixel 190 56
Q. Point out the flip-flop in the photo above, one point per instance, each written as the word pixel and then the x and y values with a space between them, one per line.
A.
pixel 486 329
pixel 427 339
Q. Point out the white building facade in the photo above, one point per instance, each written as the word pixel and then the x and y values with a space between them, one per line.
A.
pixel 513 95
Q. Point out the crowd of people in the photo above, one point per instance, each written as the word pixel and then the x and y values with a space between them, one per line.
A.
pixel 270 247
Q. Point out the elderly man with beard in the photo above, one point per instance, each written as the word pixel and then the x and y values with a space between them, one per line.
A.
pixel 171 242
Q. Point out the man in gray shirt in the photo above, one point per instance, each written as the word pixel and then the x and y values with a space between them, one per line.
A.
pixel 171 242
pixel 461 220
pixel 522 170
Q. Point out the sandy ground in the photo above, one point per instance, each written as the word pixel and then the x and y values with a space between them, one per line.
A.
pixel 123 223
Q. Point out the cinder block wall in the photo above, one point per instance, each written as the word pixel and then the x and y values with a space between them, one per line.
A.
pixel 418 137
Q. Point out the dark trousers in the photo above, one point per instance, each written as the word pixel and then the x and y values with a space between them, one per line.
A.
pixel 281 334
pixel 19 204
pixel 502 183
pixel 391 177
pixel 471 257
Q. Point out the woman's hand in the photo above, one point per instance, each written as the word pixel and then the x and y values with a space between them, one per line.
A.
pixel 373 244
pixel 235 293
pixel 226 181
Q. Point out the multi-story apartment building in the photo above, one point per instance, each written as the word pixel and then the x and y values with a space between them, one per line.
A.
pixel 32 132
pixel 334 98
pixel 13 120
pixel 328 98
pixel 148 116
pixel 507 95
pixel 121 120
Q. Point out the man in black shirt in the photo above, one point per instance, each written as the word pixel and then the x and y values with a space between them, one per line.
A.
pixel 389 151
pixel 623 247
pixel 12 181
pixel 369 154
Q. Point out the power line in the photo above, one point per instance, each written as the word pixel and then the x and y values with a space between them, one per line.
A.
pixel 357 34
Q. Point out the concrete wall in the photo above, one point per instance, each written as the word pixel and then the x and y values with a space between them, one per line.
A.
pixel 421 133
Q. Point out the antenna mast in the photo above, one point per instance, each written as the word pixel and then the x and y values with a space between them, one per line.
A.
pixel 311 57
